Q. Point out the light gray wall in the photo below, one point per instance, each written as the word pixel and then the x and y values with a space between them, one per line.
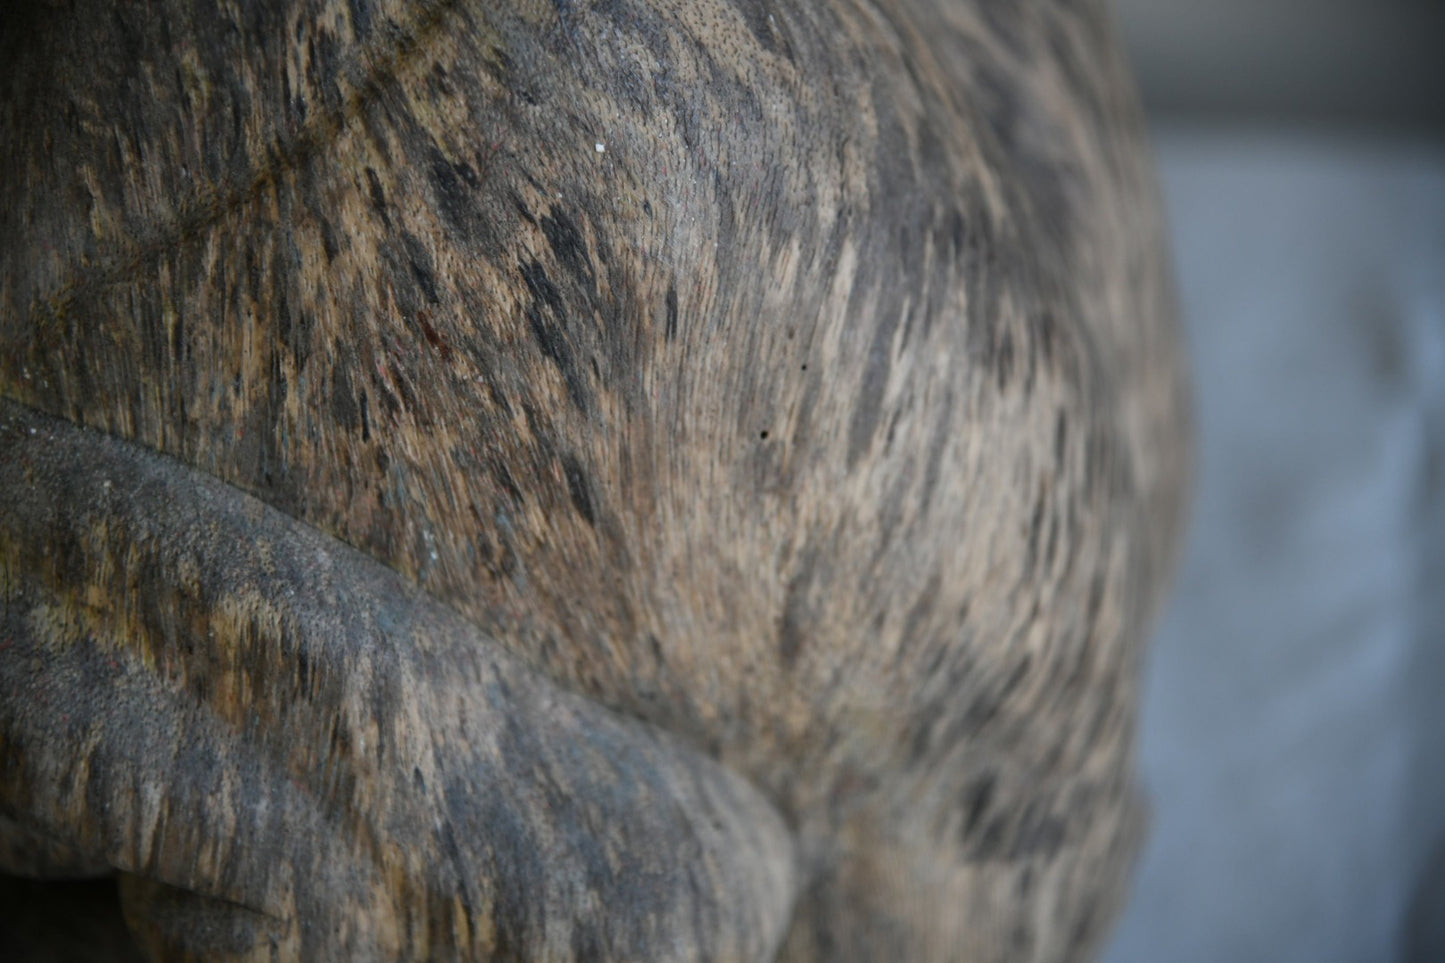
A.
pixel 1293 726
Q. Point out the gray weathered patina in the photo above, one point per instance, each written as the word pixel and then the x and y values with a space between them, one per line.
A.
pixel 632 479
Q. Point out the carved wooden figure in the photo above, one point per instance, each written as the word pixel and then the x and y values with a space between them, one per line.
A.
pixel 588 479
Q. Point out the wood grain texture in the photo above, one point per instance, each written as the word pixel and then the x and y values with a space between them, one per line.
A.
pixel 275 736
pixel 798 380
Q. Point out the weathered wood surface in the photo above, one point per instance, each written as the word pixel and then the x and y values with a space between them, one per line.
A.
pixel 630 479
pixel 274 721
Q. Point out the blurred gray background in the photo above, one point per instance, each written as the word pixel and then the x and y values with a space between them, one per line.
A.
pixel 1369 64
pixel 1293 727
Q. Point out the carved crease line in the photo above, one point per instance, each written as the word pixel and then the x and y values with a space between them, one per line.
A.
pixel 210 206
